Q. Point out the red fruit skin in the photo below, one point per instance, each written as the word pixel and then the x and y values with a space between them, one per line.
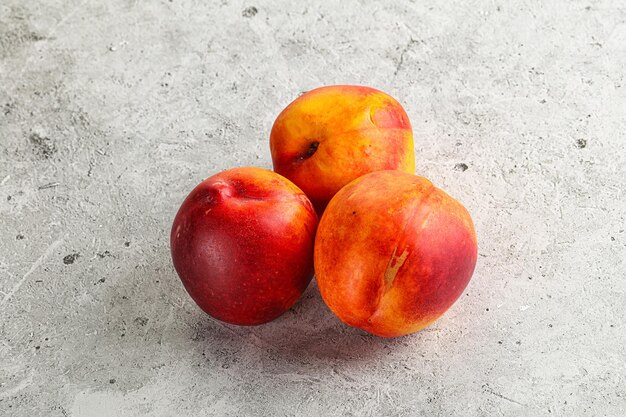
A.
pixel 393 253
pixel 242 245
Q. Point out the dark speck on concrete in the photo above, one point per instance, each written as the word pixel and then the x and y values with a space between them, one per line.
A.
pixel 461 167
pixel 102 280
pixel 35 37
pixel 249 11
pixel 8 107
pixel 44 147
pixel 142 321
pixel 127 244
pixel 48 185
pixel 104 254
pixel 69 259
pixel 37 347
pixel 581 143
pixel 19 236
pixel 9 198
pixel 112 381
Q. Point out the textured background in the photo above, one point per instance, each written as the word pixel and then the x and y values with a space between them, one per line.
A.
pixel 110 113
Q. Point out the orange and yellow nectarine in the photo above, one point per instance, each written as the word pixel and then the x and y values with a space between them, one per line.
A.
pixel 332 135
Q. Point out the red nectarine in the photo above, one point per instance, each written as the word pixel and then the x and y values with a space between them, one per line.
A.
pixel 242 244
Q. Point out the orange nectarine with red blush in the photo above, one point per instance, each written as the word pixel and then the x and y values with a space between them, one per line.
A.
pixel 393 253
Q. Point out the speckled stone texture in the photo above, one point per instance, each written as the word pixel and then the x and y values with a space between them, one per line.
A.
pixel 111 111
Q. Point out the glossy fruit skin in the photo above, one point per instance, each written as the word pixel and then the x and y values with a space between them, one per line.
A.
pixel 332 135
pixel 393 253
pixel 242 245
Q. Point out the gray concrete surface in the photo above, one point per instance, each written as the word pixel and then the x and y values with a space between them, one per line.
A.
pixel 111 111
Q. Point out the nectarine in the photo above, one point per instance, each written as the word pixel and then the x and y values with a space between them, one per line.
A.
pixel 242 244
pixel 393 253
pixel 332 135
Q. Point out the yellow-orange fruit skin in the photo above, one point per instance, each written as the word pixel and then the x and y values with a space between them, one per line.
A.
pixel 332 135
